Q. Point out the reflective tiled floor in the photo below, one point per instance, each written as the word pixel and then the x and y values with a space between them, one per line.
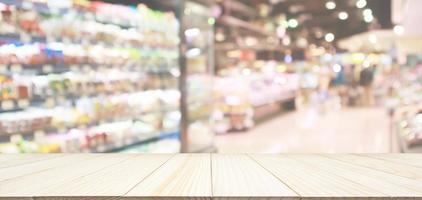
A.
pixel 349 130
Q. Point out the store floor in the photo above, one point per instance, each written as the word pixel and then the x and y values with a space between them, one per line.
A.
pixel 349 130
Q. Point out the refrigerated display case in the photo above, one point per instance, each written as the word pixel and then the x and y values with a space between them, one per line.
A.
pixel 197 77
pixel 245 96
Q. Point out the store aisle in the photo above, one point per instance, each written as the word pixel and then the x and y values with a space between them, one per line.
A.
pixel 351 130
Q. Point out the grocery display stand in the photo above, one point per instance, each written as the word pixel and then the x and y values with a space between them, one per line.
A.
pixel 80 76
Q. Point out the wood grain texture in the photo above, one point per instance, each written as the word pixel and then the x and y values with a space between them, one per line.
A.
pixel 115 180
pixel 240 176
pixel 41 165
pixel 211 176
pixel 37 183
pixel 406 159
pixel 311 181
pixel 184 175
pixel 385 183
pixel 395 168
pixel 11 160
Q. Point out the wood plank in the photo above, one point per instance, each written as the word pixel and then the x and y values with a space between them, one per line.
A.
pixel 310 181
pixel 211 176
pixel 41 165
pixel 115 180
pixel 407 159
pixel 37 183
pixel 395 168
pixel 10 160
pixel 240 176
pixel 385 183
pixel 184 175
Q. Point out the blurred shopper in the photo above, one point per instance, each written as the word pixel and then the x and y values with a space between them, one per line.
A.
pixel 366 81
pixel 353 94
pixel 339 83
pixel 352 90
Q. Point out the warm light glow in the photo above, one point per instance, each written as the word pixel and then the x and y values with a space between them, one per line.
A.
pixel 192 32
pixel 361 3
pixel 398 30
pixel 368 18
pixel 330 5
pixel 302 42
pixel 293 23
pixel 343 15
pixel 251 41
pixel 367 12
pixel 336 68
pixel 219 36
pixel 234 54
pixel 329 37
pixel 193 52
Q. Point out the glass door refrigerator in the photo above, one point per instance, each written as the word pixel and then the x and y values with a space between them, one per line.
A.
pixel 197 68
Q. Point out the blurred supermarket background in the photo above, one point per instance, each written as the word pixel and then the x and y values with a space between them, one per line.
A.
pixel 165 76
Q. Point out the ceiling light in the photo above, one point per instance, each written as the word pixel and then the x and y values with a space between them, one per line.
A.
pixel 343 15
pixel 192 32
pixel 293 23
pixel 193 52
pixel 368 18
pixel 367 12
pixel 398 29
pixel 336 68
pixel 329 37
pixel 330 5
pixel 361 3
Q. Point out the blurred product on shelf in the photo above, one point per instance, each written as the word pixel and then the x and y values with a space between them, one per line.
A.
pixel 404 103
pixel 81 76
pixel 161 146
pixel 88 111
pixel 409 130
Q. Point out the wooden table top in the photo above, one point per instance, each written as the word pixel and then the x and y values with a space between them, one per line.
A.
pixel 210 176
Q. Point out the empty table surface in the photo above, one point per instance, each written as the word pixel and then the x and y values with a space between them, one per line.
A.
pixel 210 176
